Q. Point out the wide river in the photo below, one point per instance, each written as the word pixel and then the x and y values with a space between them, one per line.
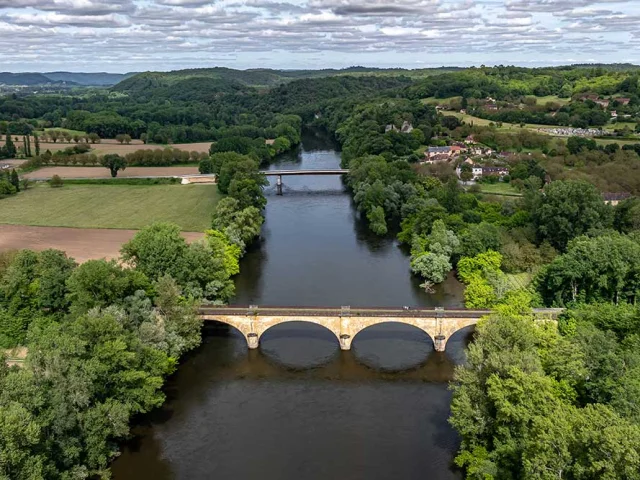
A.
pixel 299 408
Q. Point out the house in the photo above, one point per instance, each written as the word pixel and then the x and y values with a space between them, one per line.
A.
pixel 438 157
pixel 615 198
pixel 406 127
pixel 495 171
pixel 491 106
pixel 390 127
pixel 602 103
pixel 438 151
pixel 614 114
pixel 478 171
pixel 270 141
pixel 622 101
pixel 588 96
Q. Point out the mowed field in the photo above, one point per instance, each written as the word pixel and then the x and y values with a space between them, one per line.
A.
pixel 112 206
pixel 102 172
pixel 82 244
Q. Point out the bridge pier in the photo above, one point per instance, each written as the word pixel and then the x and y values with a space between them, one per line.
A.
pixel 279 185
pixel 253 341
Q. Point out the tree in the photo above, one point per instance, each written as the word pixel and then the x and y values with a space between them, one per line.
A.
pixel 377 221
pixel 156 250
pixel 248 193
pixel 160 249
pixel 37 144
pixel 240 225
pixel 627 215
pixel 603 268
pixel 9 147
pixel 479 238
pixel 94 138
pixel 566 209
pixel 15 180
pixel 99 283
pixel 114 163
pixel 433 267
pixel 205 166
pixel 144 138
pixel 120 138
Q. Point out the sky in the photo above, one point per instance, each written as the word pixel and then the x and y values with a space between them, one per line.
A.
pixel 137 35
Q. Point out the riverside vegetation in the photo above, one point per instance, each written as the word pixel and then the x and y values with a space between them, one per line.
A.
pixel 535 400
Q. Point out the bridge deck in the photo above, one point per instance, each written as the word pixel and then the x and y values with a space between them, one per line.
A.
pixel 355 312
pixel 335 171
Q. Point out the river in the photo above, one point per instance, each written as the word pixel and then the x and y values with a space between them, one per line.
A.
pixel 299 408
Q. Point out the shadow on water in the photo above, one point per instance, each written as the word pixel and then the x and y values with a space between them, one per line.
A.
pixel 298 407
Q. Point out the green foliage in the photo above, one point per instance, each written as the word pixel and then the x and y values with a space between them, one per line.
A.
pixel 484 279
pixel 99 283
pixel 32 283
pixel 160 250
pixel 479 238
pixel 377 222
pixel 517 407
pixel 241 226
pixel 431 266
pixel 565 210
pixel 205 166
pixel 604 268
pixel 114 163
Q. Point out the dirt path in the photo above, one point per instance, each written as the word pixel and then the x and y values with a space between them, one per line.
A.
pixel 80 243
pixel 101 172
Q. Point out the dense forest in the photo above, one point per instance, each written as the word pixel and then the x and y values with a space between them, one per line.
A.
pixel 535 400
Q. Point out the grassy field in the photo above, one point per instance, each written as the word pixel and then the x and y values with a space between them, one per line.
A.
pixel 500 188
pixel 505 126
pixel 112 206
pixel 552 98
pixel 607 141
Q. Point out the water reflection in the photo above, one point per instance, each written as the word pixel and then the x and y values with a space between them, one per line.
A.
pixel 298 407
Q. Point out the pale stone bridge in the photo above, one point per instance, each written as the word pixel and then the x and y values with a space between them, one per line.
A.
pixel 346 322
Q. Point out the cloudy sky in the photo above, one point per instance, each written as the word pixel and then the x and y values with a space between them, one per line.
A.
pixel 137 35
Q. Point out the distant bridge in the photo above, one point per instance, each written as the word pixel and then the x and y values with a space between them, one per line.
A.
pixel 346 322
pixel 333 171
pixel 212 178
pixel 281 173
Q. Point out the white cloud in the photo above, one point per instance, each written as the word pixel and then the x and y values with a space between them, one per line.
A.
pixel 161 34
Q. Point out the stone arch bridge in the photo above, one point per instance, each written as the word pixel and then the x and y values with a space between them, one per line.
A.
pixel 346 322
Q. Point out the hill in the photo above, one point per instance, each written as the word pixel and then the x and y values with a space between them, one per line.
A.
pixel 8 78
pixel 101 79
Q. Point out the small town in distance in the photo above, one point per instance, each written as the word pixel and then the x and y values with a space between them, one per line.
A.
pixel 314 240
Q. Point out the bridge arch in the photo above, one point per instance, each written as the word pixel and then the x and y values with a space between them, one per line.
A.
pixel 311 320
pixel 253 328
pixel 361 327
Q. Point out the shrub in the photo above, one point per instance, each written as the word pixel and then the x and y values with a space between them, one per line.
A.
pixel 56 181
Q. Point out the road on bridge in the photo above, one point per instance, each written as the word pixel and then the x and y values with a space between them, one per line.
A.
pixel 356 312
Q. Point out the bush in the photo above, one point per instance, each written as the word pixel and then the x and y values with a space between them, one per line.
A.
pixel 56 181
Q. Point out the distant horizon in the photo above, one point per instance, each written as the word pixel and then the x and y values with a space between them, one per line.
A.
pixel 319 68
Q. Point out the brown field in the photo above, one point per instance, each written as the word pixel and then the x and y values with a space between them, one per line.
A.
pixel 82 244
pixel 110 145
pixel 101 172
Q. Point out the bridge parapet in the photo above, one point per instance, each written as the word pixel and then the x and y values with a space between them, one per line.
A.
pixel 345 322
